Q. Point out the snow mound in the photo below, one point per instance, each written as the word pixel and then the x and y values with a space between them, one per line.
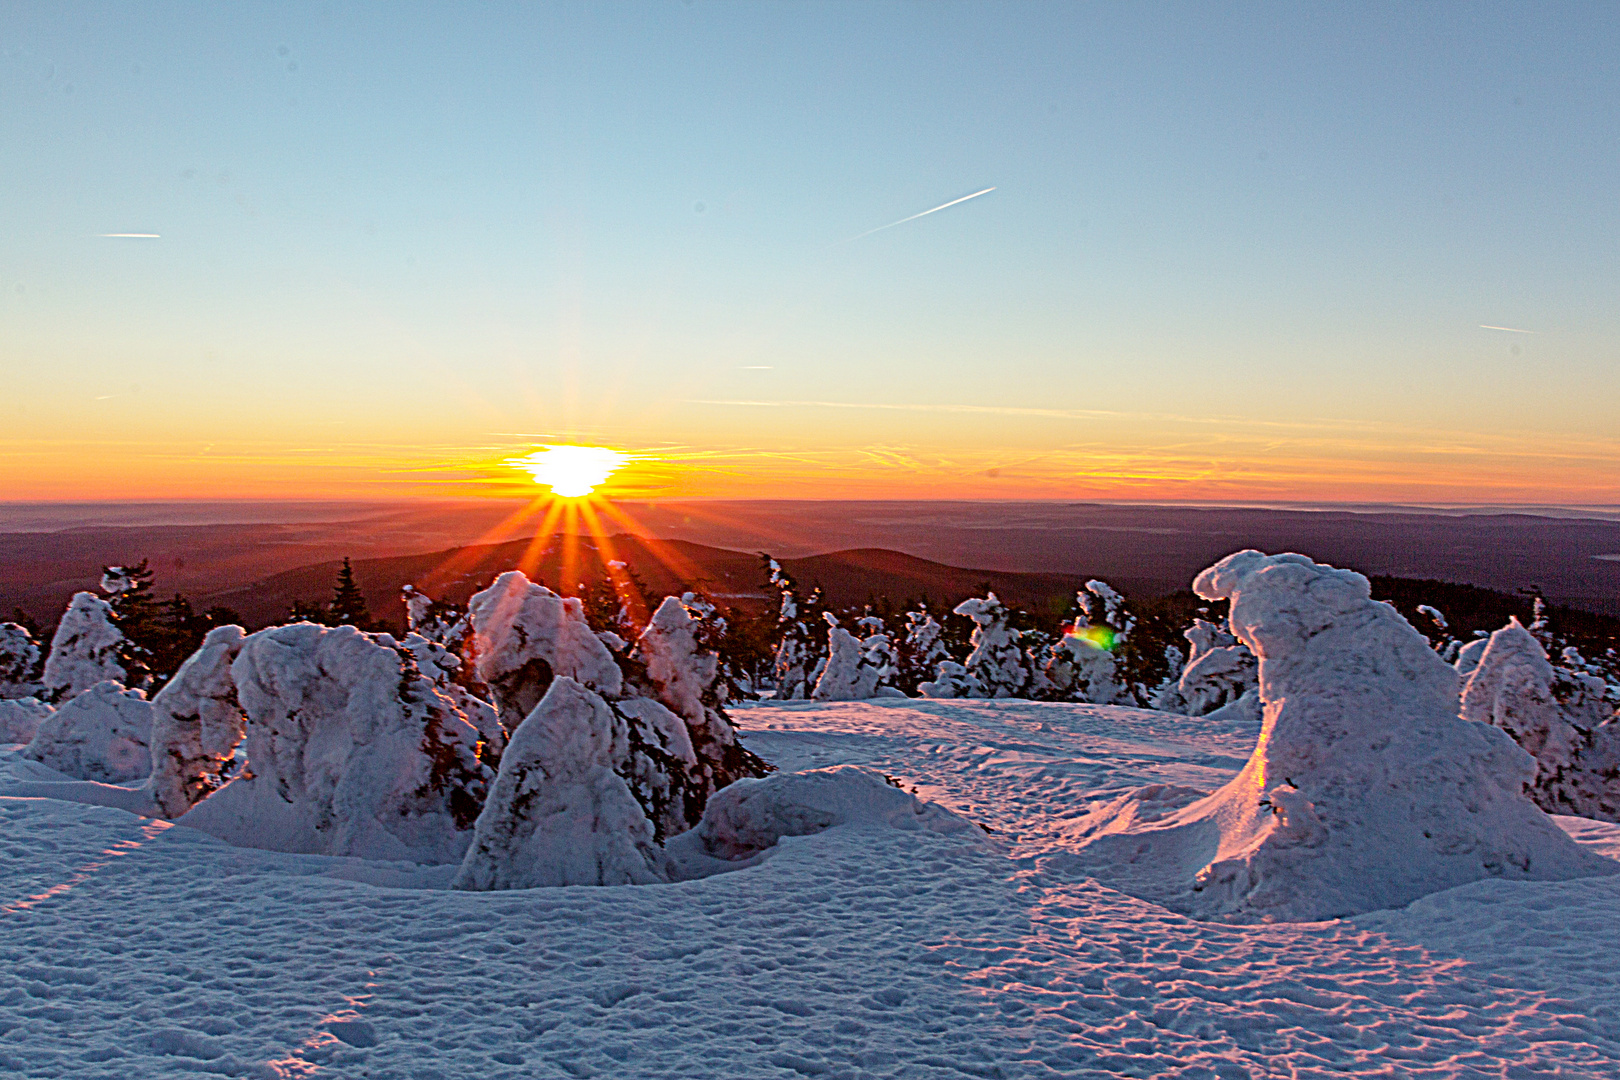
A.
pixel 1559 716
pixel 1365 791
pixel 558 812
pixel 197 724
pixel 84 650
pixel 524 636
pixel 751 816
pixel 20 719
pixel 350 751
pixel 19 662
pixel 102 734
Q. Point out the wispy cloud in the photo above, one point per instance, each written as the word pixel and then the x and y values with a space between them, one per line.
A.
pixel 755 367
pixel 914 217
pixel 130 236
pixel 1509 329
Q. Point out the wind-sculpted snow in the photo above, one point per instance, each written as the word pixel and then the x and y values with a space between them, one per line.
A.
pixel 525 635
pixel 20 719
pixel 350 751
pixel 872 953
pixel 1077 670
pixel 102 734
pixel 1366 790
pixel 1559 716
pixel 197 724
pixel 558 812
pixel 85 649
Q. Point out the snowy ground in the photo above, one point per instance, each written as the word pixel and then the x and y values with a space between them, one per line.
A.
pixel 130 948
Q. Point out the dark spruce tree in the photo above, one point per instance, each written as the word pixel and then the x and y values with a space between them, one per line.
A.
pixel 348 607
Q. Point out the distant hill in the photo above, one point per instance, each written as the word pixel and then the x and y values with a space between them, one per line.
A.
pixel 666 566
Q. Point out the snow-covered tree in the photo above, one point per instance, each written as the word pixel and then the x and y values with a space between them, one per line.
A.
pixel 798 660
pixel 560 812
pixel 101 734
pixel 1219 671
pixel 524 635
pixel 350 751
pixel 197 725
pixel 857 668
pixel 998 663
pixel 1366 789
pixel 682 673
pixel 1558 715
pixel 19 662
pixel 921 651
pixel 439 621
pixel 443 668
pixel 1077 668
pixel 85 650
pixel 20 719
pixel 951 680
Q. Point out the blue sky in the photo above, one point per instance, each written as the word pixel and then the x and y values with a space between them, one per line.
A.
pixel 1213 228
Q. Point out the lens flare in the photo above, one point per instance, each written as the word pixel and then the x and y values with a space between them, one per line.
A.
pixel 1100 636
pixel 572 471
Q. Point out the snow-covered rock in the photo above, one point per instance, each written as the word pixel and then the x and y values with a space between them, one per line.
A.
pixel 752 816
pixel 1365 791
pixel 84 650
pixel 1559 716
pixel 20 719
pixel 524 635
pixel 350 751
pixel 197 724
pixel 19 662
pixel 997 663
pixel 558 812
pixel 102 734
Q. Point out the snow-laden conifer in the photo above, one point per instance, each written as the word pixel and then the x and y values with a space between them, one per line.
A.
pixel 85 650
pixel 19 662
pixel 197 725
pixel 101 734
pixel 998 663
pixel 1558 715
pixel 350 751
pixel 1366 789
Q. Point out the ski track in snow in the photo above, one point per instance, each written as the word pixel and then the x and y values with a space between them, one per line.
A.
pixel 131 948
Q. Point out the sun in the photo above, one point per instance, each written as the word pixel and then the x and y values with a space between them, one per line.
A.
pixel 572 472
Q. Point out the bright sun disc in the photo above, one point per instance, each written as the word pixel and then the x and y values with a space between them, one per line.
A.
pixel 572 471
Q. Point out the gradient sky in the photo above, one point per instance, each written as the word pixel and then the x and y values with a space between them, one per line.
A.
pixel 1234 252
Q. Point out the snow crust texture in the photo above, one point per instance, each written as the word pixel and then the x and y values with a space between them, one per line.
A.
pixel 1365 791
pixel 524 636
pixel 103 734
pixel 856 953
pixel 197 724
pixel 84 650
pixel 350 751
pixel 1559 716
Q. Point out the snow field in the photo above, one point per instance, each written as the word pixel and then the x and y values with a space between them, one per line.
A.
pixel 134 948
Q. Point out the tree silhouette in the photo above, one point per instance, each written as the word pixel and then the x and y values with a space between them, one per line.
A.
pixel 348 607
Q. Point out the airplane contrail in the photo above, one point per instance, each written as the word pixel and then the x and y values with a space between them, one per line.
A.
pixel 130 236
pixel 925 213
pixel 1509 329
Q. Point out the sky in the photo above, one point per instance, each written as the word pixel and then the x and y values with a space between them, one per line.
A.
pixel 1233 252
